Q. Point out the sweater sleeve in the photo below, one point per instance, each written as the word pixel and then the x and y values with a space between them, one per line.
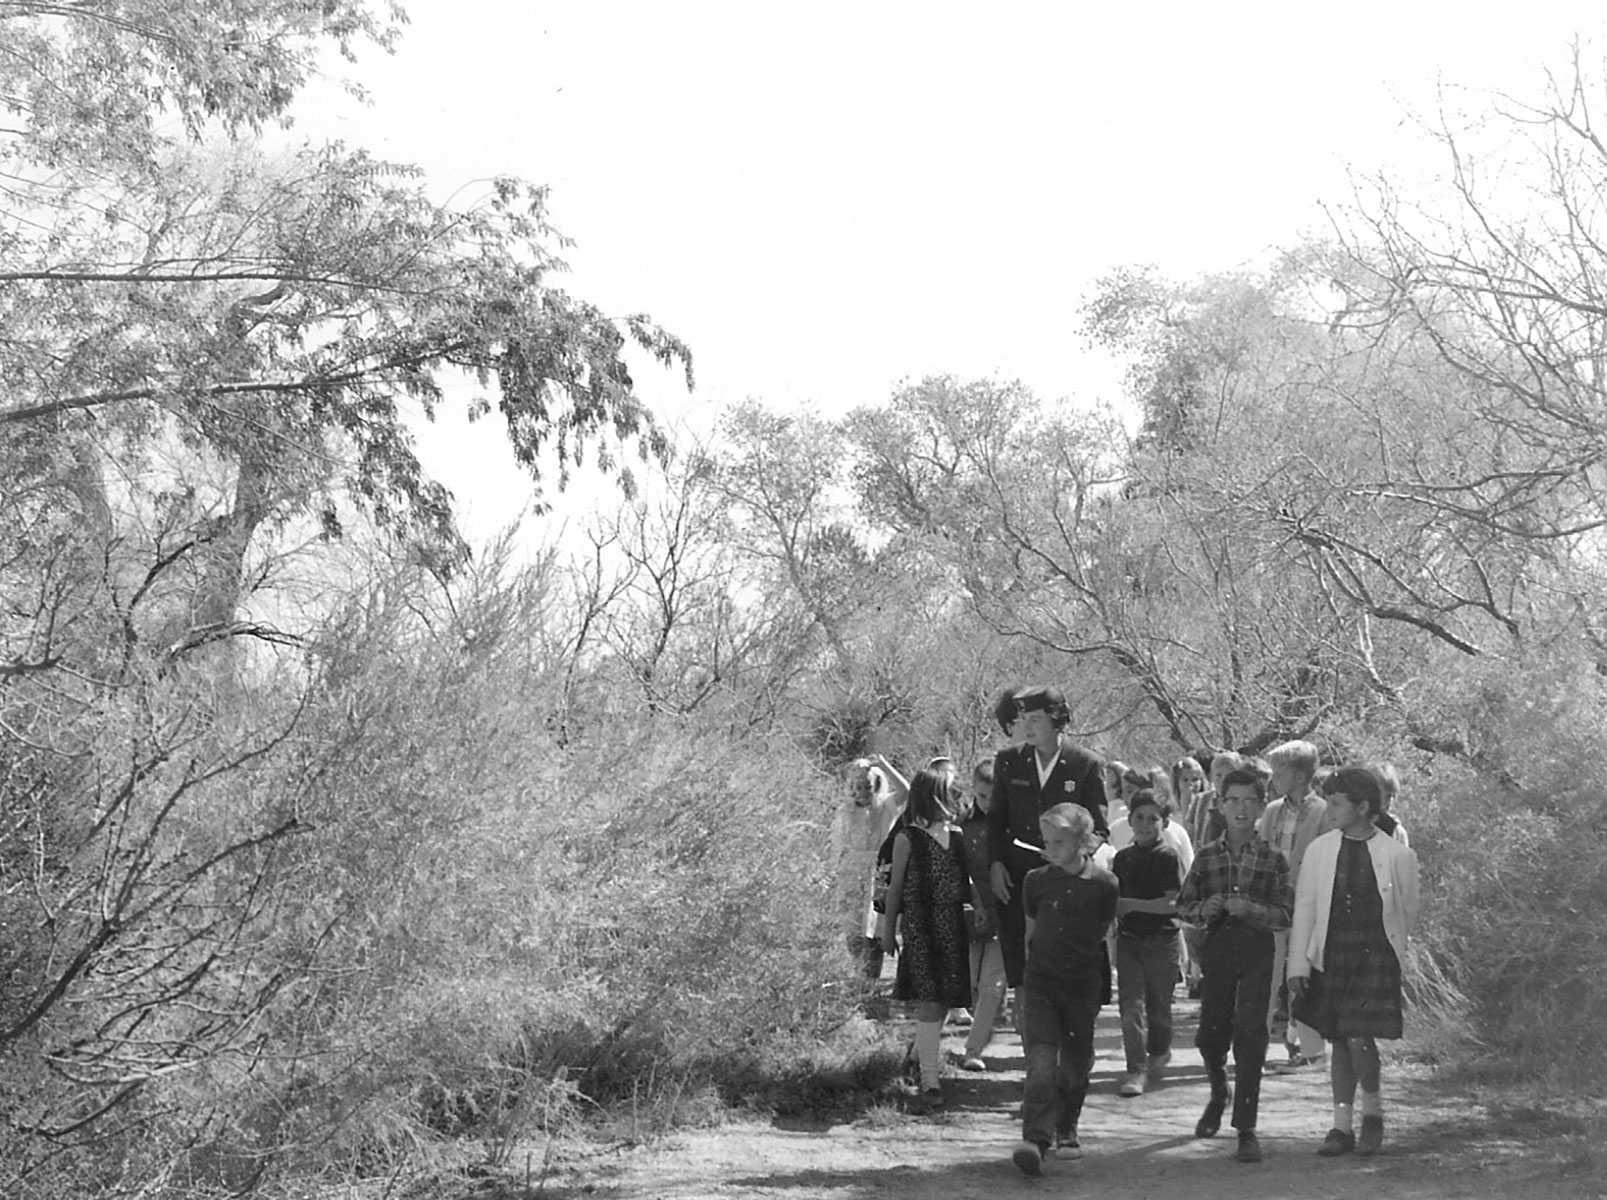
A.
pixel 1305 916
pixel 999 810
pixel 1411 901
pixel 1190 898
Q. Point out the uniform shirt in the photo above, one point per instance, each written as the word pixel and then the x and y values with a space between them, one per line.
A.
pixel 1257 872
pixel 1069 915
pixel 1021 795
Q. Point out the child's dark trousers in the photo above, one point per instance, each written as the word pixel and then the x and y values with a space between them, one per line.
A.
pixel 1234 994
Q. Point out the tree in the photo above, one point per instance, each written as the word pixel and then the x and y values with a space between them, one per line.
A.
pixel 208 350
pixel 272 314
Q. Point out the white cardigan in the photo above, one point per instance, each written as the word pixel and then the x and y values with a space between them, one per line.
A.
pixel 1395 868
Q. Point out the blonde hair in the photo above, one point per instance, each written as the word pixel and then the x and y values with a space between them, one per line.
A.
pixel 1073 818
pixel 1299 755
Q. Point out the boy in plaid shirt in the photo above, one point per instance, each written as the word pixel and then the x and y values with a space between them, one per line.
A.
pixel 1239 890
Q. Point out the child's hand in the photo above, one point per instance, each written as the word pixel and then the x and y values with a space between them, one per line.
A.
pixel 889 943
pixel 1238 906
pixel 1297 987
pixel 1213 908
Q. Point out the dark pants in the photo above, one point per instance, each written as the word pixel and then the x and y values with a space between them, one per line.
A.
pixel 1146 975
pixel 1234 994
pixel 1057 1038
pixel 1013 931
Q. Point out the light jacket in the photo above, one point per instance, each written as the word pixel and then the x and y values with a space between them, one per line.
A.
pixel 1395 868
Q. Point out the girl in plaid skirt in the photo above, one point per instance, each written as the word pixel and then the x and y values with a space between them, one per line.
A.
pixel 1355 902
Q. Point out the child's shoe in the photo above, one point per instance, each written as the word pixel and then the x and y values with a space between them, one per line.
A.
pixel 973 1062
pixel 1371 1136
pixel 1029 1157
pixel 1158 1062
pixel 1249 1147
pixel 926 1102
pixel 1133 1084
pixel 1340 1141
pixel 1211 1119
pixel 1067 1146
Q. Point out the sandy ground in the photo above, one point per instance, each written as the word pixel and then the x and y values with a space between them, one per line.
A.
pixel 1437 1145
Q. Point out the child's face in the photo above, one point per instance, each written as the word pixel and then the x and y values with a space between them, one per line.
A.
pixel 1346 814
pixel 860 790
pixel 1241 807
pixel 1287 781
pixel 1145 822
pixel 1219 772
pixel 981 792
pixel 1063 848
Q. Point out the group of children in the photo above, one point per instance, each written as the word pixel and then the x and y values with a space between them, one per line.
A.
pixel 1291 919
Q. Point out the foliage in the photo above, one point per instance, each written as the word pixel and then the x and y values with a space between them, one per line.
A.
pixel 326 844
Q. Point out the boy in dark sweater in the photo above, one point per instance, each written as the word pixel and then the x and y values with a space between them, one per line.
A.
pixel 1238 889
pixel 1146 941
pixel 1069 905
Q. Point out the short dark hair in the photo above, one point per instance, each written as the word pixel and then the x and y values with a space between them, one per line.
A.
pixel 1360 784
pixel 1005 709
pixel 1045 698
pixel 1242 777
pixel 1146 796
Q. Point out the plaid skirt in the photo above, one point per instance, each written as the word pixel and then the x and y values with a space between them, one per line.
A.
pixel 1358 991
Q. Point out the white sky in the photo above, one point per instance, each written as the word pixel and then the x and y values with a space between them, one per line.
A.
pixel 826 199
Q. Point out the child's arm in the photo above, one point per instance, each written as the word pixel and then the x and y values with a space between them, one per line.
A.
pixel 1304 922
pixel 1193 905
pixel 895 892
pixel 1164 906
pixel 1410 900
pixel 1271 902
pixel 898 788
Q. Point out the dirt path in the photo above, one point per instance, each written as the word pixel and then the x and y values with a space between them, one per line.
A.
pixel 1437 1145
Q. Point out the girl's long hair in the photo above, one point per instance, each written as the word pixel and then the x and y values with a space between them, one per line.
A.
pixel 932 793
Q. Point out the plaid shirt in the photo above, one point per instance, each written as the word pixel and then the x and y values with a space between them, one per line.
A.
pixel 1258 873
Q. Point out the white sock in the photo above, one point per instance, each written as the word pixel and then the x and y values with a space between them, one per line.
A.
pixel 1372 1103
pixel 929 1051
pixel 1343 1118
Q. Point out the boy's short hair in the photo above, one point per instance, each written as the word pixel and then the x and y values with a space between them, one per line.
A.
pixel 1045 698
pixel 1228 760
pixel 1147 796
pixel 1073 818
pixel 1006 710
pixel 1360 784
pixel 1298 754
pixel 1243 777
